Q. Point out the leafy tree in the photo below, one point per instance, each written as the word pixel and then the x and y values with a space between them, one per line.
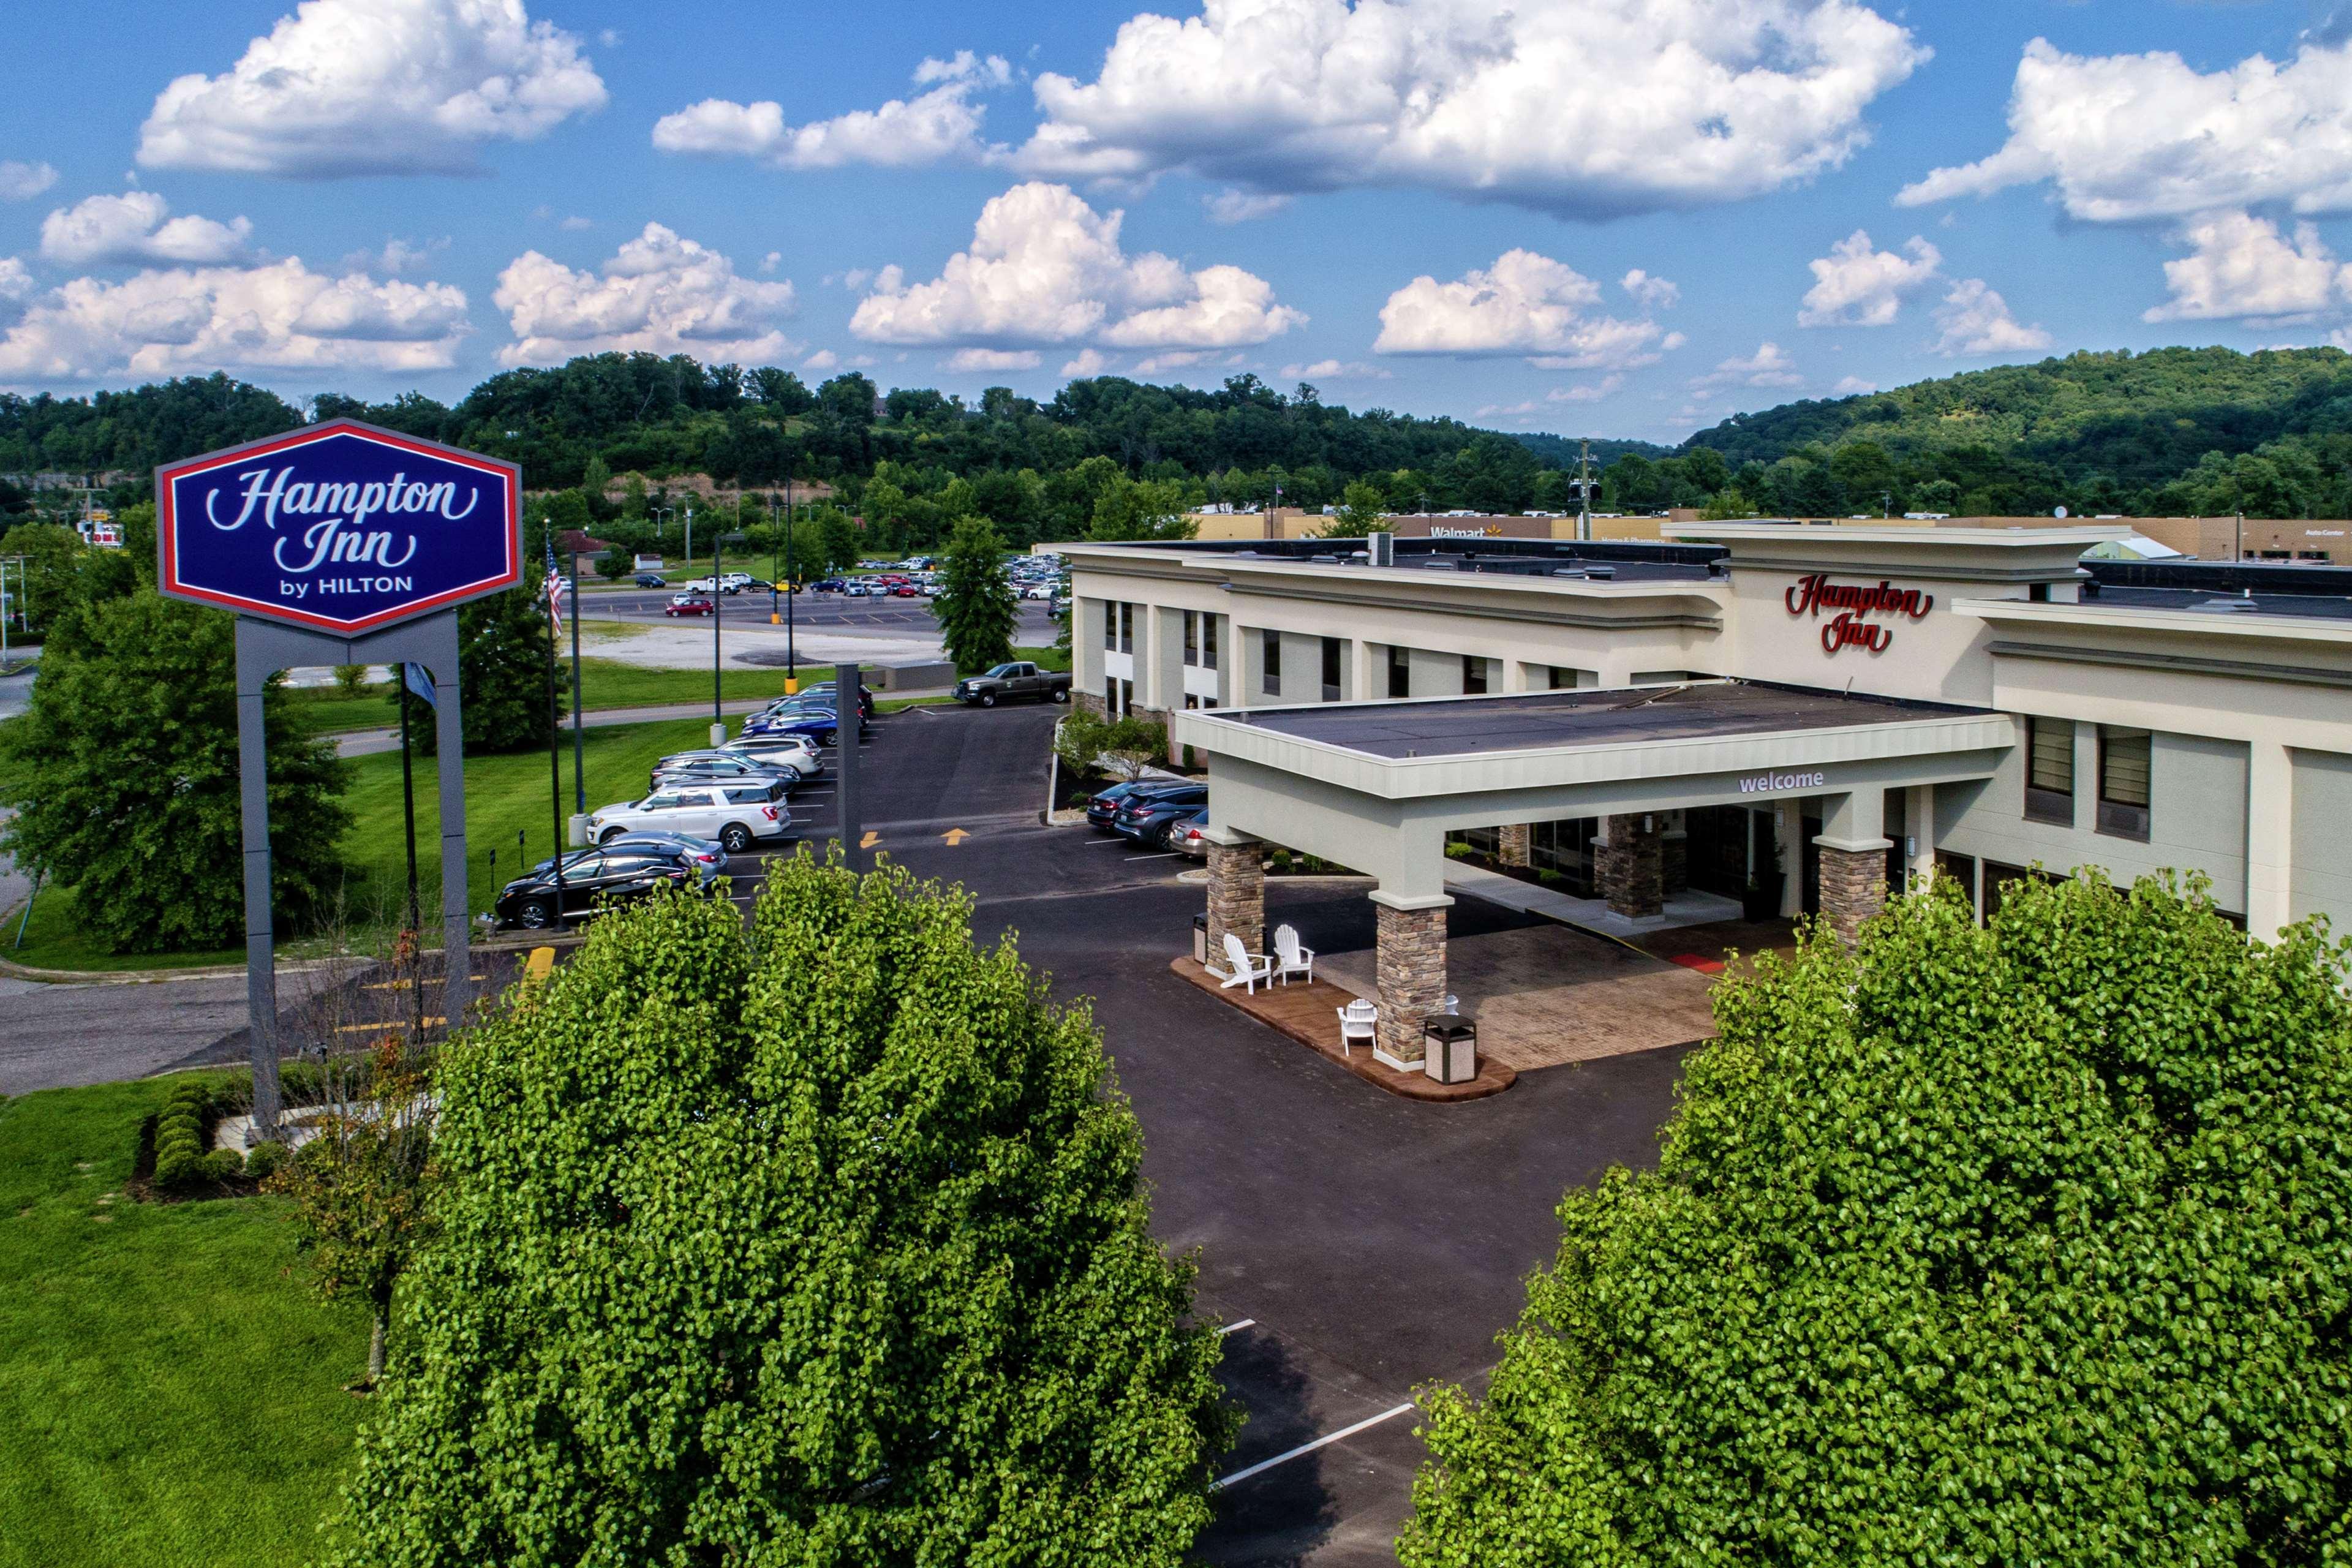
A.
pixel 351 679
pixel 823 1243
pixel 1362 511
pixel 52 557
pixel 1149 510
pixel 976 608
pixel 124 772
pixel 2011 1245
pixel 504 676
pixel 363 1186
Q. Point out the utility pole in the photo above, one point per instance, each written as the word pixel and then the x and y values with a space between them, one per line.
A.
pixel 718 714
pixel 1583 492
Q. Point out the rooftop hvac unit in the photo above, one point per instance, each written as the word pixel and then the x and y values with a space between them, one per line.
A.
pixel 1601 572
pixel 1383 549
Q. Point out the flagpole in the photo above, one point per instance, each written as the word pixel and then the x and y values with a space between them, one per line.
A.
pixel 579 775
pixel 549 592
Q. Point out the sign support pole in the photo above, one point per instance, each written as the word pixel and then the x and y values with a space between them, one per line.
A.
pixel 254 669
pixel 848 706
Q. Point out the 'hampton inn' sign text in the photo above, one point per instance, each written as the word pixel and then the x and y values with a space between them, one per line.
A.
pixel 341 527
pixel 1849 606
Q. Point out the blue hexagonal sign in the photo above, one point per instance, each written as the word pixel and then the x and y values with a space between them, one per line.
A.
pixel 340 527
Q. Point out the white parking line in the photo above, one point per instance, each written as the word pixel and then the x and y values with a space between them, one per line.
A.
pixel 1341 1434
pixel 1237 1328
pixel 1105 840
pixel 1163 854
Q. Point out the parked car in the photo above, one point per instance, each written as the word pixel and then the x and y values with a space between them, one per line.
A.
pixel 1038 591
pixel 652 580
pixel 932 590
pixel 592 879
pixel 861 589
pixel 737 579
pixel 1103 807
pixel 906 591
pixel 719 766
pixel 1020 682
pixel 793 752
pixel 702 585
pixel 707 856
pixel 689 605
pixel 828 585
pixel 738 814
pixel 1189 834
pixel 1146 818
pixel 818 724
pixel 823 691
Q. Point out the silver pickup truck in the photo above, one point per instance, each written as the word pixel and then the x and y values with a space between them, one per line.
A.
pixel 1017 682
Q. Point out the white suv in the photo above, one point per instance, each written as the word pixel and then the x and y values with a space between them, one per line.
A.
pixel 797 753
pixel 736 814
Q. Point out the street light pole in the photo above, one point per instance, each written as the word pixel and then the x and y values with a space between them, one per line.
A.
pixel 792 574
pixel 718 714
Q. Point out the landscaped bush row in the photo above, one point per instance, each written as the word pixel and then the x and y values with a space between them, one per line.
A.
pixel 181 1130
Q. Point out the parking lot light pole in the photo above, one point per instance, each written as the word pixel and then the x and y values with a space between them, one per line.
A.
pixel 579 743
pixel 793 577
pixel 848 718
pixel 718 616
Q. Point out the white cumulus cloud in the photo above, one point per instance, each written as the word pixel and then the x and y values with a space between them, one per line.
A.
pixel 135 228
pixel 1974 320
pixel 2126 138
pixel 281 316
pixel 1769 365
pixel 1588 392
pixel 15 279
pixel 21 182
pixel 1856 285
pixel 2242 266
pixel 1593 109
pixel 994 358
pixel 1088 362
pixel 1852 386
pixel 1337 370
pixel 929 128
pixel 661 293
pixel 1524 304
pixel 1044 267
pixel 1232 206
pixel 374 87
pixel 1657 293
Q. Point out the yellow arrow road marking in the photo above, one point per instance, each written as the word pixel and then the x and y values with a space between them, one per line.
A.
pixel 870 840
pixel 955 835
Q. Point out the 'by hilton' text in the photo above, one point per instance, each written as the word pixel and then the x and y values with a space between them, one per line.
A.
pixel 1851 603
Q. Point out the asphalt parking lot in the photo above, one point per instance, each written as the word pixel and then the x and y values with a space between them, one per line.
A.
pixel 1356 1245
pixel 810 611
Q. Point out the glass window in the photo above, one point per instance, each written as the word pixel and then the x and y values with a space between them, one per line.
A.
pixel 1473 675
pixel 1400 672
pixel 1110 627
pixel 1331 646
pixel 1271 643
pixel 667 801
pixel 1127 629
pixel 1192 637
pixel 2123 757
pixel 2049 770
pixel 1208 640
pixel 1559 680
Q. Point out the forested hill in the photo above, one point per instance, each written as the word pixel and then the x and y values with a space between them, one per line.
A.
pixel 2170 430
pixel 665 416
pixel 2206 431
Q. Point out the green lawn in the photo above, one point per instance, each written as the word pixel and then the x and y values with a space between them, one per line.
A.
pixel 604 683
pixel 170 1390
pixel 55 939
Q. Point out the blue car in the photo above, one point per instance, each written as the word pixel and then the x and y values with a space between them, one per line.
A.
pixel 818 724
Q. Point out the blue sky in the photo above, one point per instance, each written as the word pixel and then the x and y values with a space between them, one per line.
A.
pixel 1623 218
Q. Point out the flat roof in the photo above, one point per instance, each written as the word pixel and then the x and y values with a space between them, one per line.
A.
pixel 1550 720
pixel 2209 602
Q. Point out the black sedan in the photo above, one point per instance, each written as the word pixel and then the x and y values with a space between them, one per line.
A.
pixel 707 856
pixel 1147 818
pixel 593 879
pixel 652 580
pixel 1103 808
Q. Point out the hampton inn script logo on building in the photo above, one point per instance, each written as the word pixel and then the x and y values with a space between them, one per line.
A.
pixel 1812 593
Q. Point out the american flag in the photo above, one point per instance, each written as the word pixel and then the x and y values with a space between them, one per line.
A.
pixel 553 589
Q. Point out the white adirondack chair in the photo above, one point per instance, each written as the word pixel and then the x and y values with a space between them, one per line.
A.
pixel 1355 1021
pixel 1244 967
pixel 1289 957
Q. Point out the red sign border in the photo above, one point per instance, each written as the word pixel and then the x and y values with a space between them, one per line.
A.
pixel 167 565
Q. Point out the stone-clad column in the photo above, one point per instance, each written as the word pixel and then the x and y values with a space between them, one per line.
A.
pixel 1410 962
pixel 1236 893
pixel 1517 847
pixel 1631 863
pixel 1854 888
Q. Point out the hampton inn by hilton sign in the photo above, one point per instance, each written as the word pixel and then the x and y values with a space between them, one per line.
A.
pixel 341 527
pixel 1849 606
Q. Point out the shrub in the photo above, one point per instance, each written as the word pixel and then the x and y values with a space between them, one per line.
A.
pixel 264 1160
pixel 180 1133
pixel 223 1164
pixel 2007 1245
pixel 822 1243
